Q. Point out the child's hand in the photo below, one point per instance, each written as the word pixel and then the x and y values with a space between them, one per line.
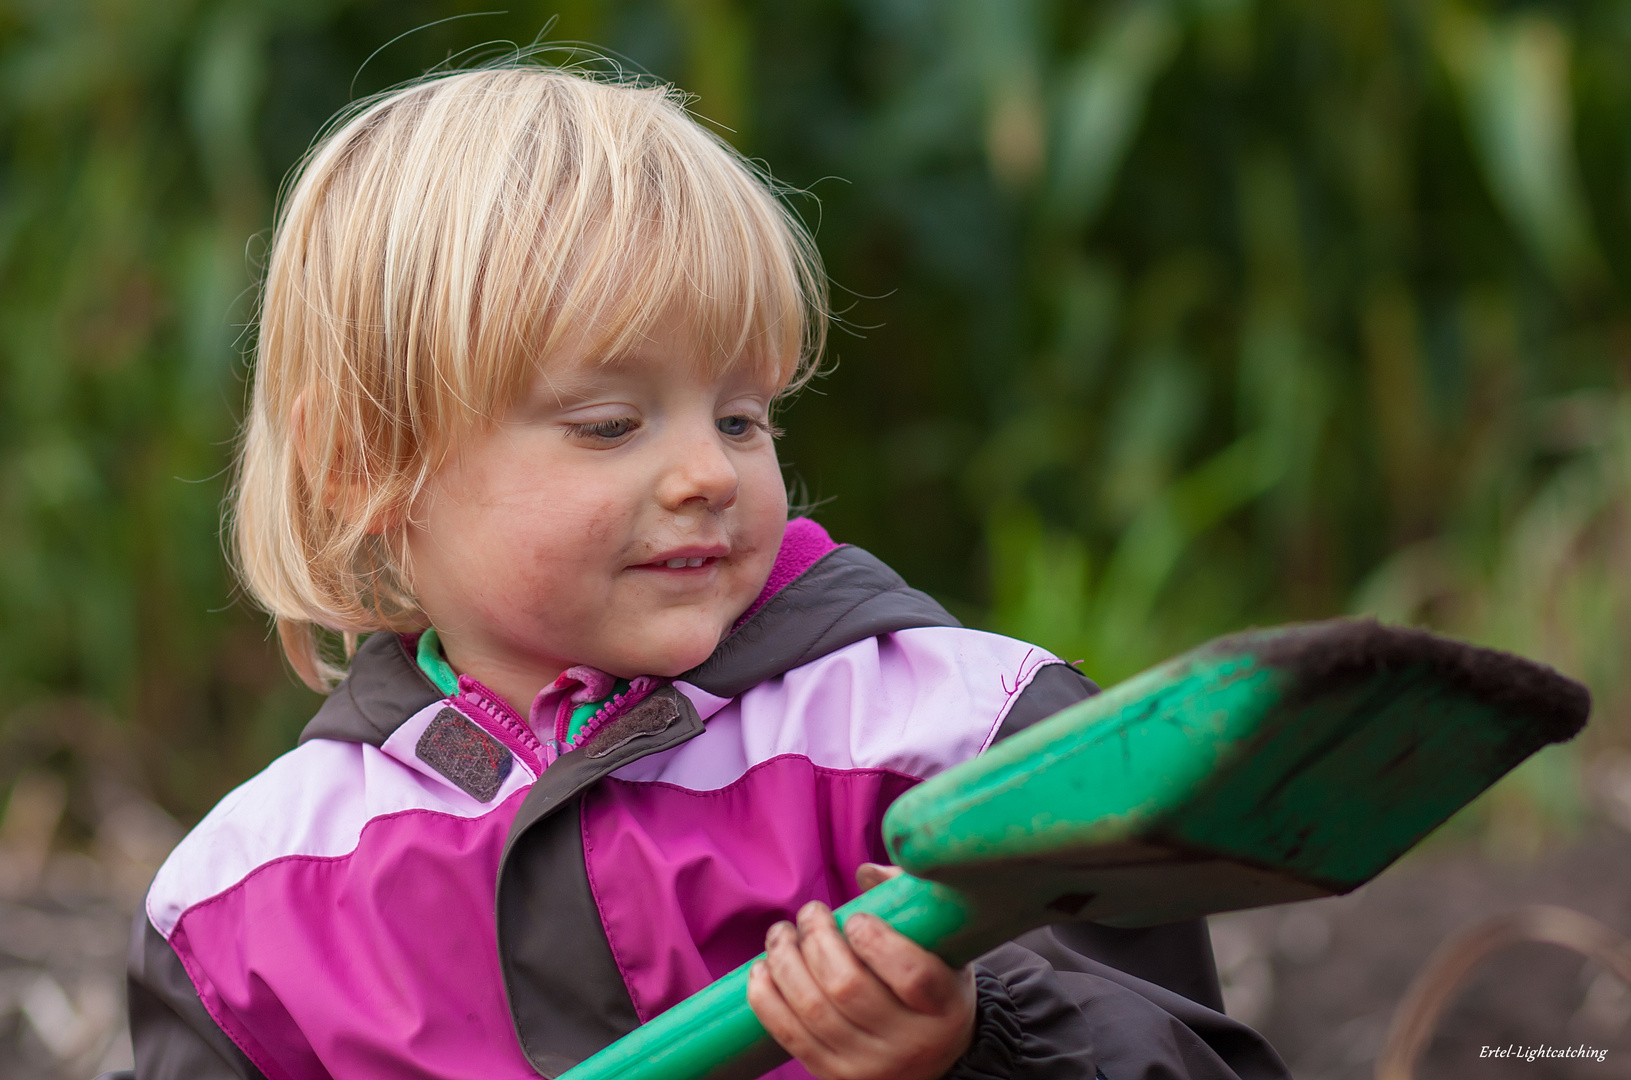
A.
pixel 873 1007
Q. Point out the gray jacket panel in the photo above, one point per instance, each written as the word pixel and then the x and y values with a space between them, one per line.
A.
pixel 1048 1013
pixel 173 1034
pixel 848 595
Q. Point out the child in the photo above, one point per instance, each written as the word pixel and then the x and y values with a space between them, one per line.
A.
pixel 616 721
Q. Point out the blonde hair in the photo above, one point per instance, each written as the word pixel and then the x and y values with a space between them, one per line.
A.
pixel 438 245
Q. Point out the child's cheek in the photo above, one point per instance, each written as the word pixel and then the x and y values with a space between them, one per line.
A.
pixel 597 528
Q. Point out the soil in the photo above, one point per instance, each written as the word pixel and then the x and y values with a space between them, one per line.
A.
pixel 1321 978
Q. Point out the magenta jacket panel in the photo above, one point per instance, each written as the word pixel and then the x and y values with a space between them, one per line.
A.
pixel 336 913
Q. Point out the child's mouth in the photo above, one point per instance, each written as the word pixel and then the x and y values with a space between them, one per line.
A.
pixel 680 562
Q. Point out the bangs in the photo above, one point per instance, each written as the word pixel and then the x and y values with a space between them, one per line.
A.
pixel 705 247
pixel 623 218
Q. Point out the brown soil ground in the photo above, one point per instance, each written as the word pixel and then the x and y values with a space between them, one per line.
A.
pixel 1321 979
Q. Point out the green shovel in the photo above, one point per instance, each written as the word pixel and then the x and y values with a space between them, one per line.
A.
pixel 1261 768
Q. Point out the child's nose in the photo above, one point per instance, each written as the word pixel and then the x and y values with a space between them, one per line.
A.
pixel 699 472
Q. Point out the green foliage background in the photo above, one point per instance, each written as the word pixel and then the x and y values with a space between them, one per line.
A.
pixel 1164 317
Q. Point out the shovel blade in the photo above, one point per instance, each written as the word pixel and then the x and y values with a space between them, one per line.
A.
pixel 1260 768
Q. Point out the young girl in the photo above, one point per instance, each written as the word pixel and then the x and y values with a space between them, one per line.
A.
pixel 617 724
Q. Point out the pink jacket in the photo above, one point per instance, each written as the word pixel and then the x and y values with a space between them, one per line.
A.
pixel 422 888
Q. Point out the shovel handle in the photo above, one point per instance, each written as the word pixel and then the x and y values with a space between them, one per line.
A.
pixel 713 1035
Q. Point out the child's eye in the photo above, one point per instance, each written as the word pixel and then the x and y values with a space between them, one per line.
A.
pixel 740 427
pixel 604 430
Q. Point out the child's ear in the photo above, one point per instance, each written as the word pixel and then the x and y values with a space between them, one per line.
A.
pixel 340 487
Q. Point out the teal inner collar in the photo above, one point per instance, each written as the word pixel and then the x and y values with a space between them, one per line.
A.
pixel 438 671
pixel 434 665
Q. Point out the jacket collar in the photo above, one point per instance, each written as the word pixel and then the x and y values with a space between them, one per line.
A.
pixel 845 596
pixel 383 689
pixel 820 598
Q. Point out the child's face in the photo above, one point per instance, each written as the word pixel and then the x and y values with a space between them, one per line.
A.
pixel 621 516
